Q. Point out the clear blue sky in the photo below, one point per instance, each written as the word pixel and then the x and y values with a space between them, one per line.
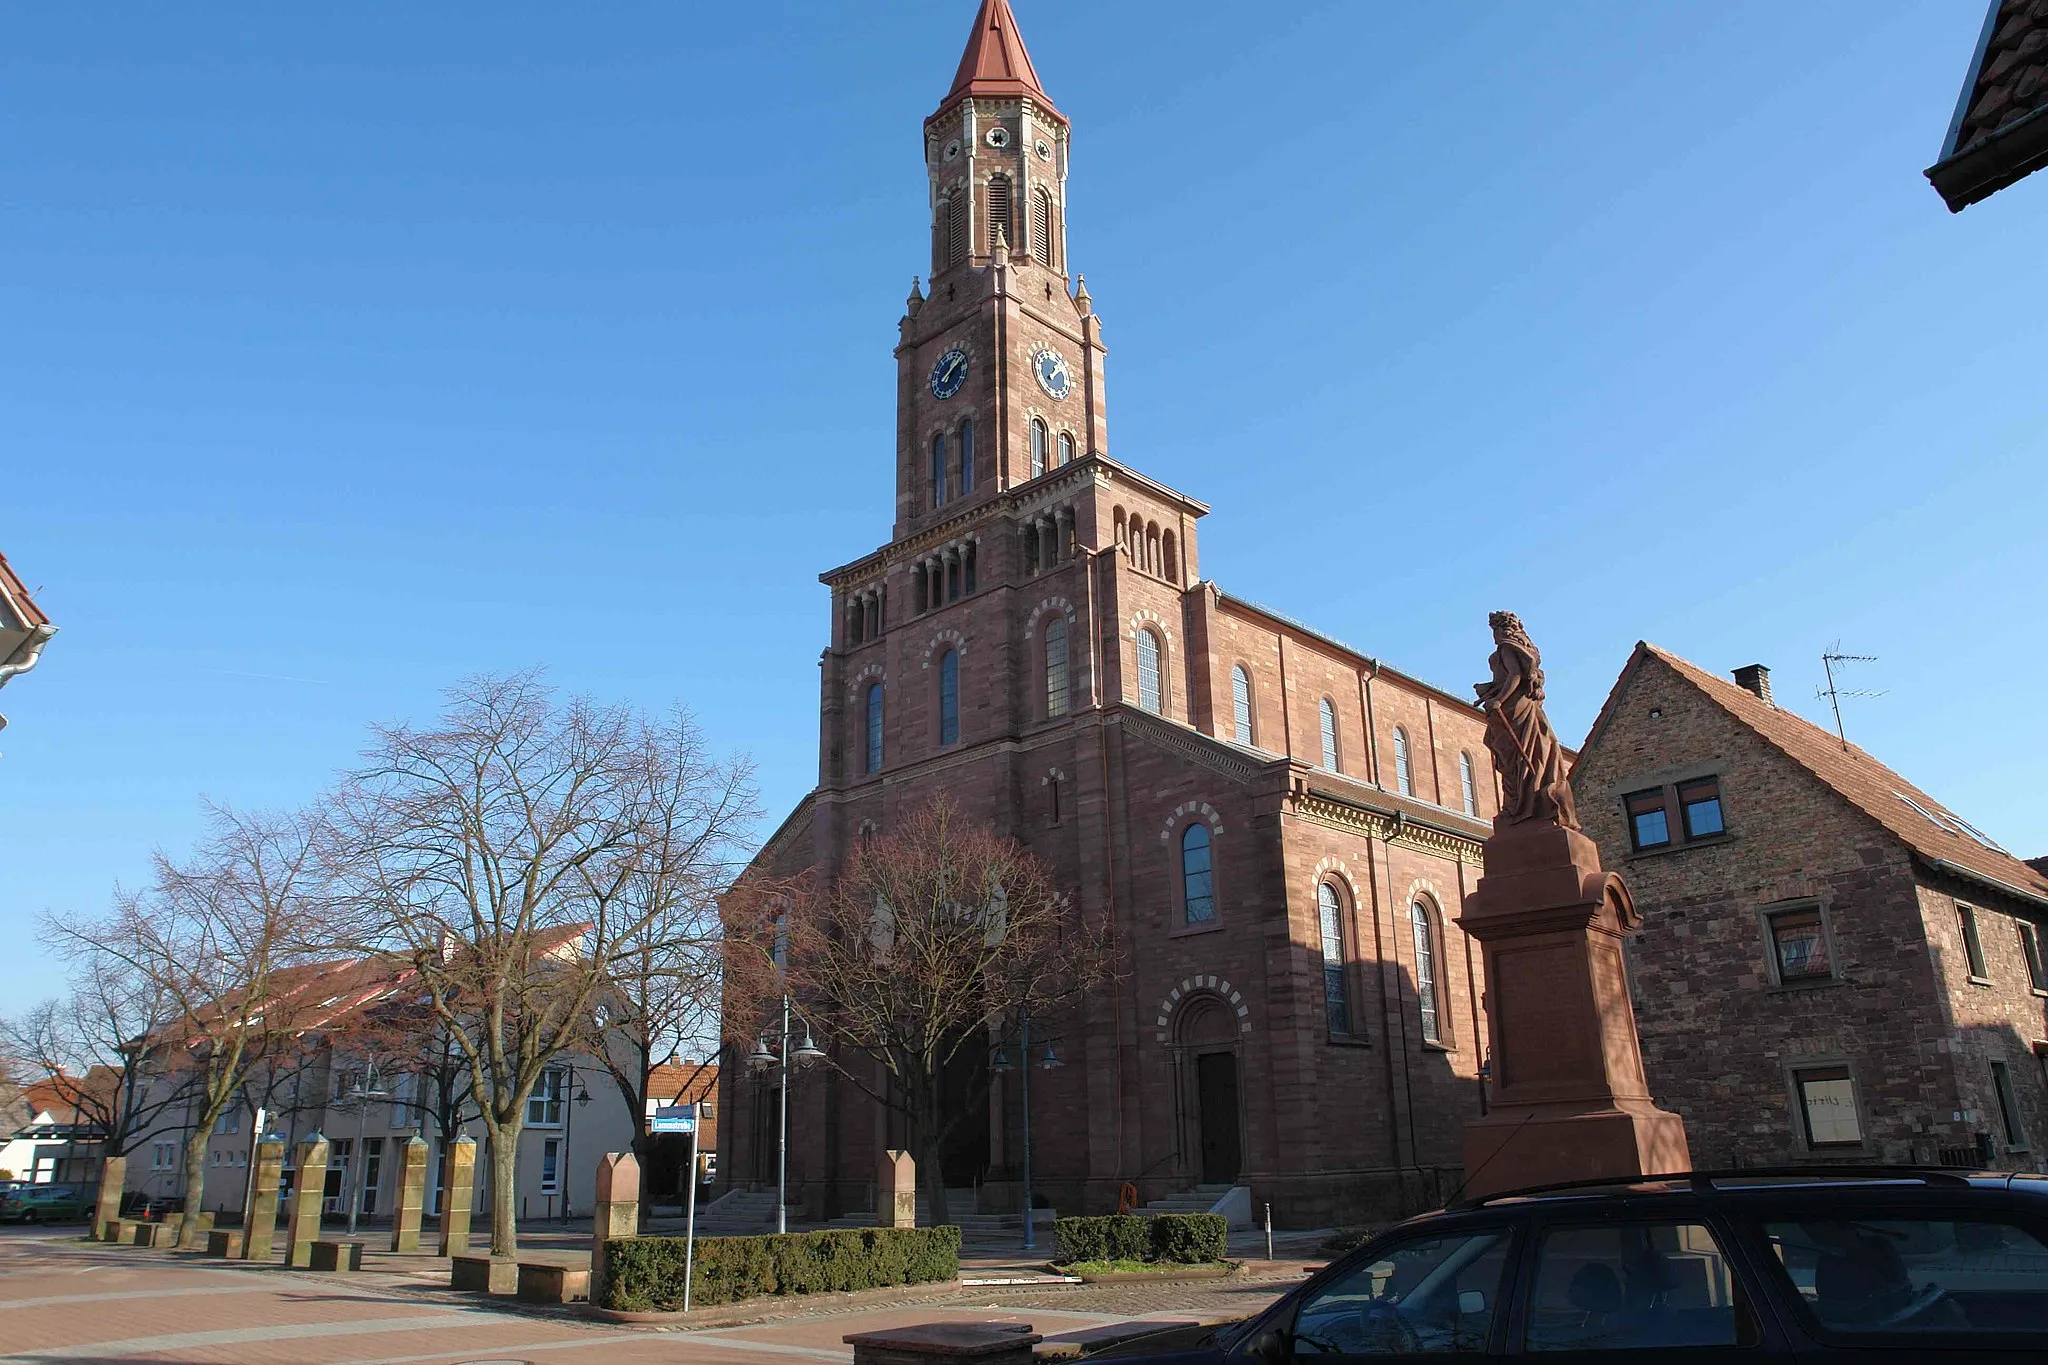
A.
pixel 346 353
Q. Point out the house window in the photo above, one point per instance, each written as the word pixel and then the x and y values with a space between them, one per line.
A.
pixel 1336 997
pixel 1037 447
pixel 1241 704
pixel 373 1172
pixel 1827 1104
pixel 2030 949
pixel 1329 717
pixel 1066 448
pixel 1649 823
pixel 967 456
pixel 544 1105
pixel 1467 788
pixel 1404 774
pixel 949 697
pixel 874 728
pixel 1973 947
pixel 1148 671
pixel 1425 970
pixel 2008 1106
pixel 551 1166
pixel 1799 945
pixel 1197 875
pixel 230 1120
pixel 1699 806
pixel 938 470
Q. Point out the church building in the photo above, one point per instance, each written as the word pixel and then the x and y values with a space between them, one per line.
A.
pixel 1282 826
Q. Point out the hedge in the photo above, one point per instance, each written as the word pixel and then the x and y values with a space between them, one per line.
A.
pixel 645 1274
pixel 1182 1238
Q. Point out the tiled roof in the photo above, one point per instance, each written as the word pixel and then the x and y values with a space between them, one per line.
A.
pixel 682 1082
pixel 995 64
pixel 1919 821
pixel 18 610
pixel 2000 130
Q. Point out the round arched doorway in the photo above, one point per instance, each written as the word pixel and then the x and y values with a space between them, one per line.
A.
pixel 1206 1042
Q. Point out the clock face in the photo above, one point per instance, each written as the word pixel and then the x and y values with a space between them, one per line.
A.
pixel 1053 375
pixel 949 374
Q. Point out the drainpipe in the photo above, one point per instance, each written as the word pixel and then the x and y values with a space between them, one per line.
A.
pixel 1372 729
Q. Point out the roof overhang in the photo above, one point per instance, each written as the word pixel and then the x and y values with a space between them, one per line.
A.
pixel 1991 163
pixel 1985 879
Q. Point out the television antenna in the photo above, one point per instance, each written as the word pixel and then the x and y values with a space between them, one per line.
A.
pixel 1833 693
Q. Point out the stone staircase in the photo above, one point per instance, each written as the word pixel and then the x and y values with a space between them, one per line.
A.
pixel 979 1232
pixel 1200 1199
pixel 741 1213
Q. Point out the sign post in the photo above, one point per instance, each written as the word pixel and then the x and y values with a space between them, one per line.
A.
pixel 682 1118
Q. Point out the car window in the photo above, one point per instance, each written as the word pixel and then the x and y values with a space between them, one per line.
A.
pixel 1420 1296
pixel 1905 1275
pixel 1634 1286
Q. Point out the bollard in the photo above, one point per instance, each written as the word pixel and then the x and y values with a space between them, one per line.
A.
pixel 1269 1232
pixel 113 1175
pixel 896 1190
pixel 458 1196
pixel 259 1225
pixel 412 1194
pixel 309 1188
pixel 618 1211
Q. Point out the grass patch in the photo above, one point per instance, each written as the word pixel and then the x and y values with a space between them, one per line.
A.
pixel 1135 1267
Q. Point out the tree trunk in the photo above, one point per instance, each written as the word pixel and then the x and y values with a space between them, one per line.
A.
pixel 505 1187
pixel 931 1175
pixel 195 1185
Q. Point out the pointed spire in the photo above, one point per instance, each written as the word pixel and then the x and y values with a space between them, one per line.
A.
pixel 1001 254
pixel 1082 302
pixel 995 62
pixel 916 299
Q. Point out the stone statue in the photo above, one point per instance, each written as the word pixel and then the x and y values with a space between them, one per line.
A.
pixel 1534 778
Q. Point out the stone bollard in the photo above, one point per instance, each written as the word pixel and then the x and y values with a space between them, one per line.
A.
pixel 259 1223
pixel 225 1243
pixel 896 1190
pixel 309 1189
pixel 412 1195
pixel 113 1176
pixel 337 1255
pixel 150 1234
pixel 458 1196
pixel 985 1343
pixel 618 1211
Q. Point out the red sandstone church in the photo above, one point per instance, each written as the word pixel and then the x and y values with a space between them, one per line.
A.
pixel 1283 827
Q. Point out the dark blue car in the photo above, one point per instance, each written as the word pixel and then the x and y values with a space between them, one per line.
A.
pixel 1762 1267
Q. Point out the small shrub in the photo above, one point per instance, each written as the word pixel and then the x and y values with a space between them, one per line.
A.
pixel 645 1274
pixel 1190 1238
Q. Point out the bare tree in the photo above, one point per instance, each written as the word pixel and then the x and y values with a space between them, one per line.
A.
pixel 933 936
pixel 219 938
pixel 507 851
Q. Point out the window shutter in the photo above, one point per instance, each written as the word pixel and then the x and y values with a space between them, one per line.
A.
pixel 999 211
pixel 1041 227
pixel 956 228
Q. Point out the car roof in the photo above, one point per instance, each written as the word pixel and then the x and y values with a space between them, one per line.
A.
pixel 1765 1182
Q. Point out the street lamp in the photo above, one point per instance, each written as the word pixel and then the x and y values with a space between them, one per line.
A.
pixel 1000 1064
pixel 361 1096
pixel 581 1101
pixel 807 1055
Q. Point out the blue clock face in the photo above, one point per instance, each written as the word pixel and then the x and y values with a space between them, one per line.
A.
pixel 1053 375
pixel 949 374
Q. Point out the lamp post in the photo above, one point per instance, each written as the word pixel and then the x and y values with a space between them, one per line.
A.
pixel 999 1064
pixel 568 1136
pixel 760 1060
pixel 358 1161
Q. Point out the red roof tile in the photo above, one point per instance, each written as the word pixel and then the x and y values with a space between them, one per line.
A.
pixel 1919 821
pixel 14 595
pixel 2000 130
pixel 995 63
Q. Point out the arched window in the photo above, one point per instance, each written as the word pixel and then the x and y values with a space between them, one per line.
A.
pixel 874 734
pixel 956 228
pixel 1336 994
pixel 1329 713
pixel 1197 875
pixel 1425 970
pixel 1037 447
pixel 1404 776
pixel 1241 704
pixel 1148 671
pixel 1066 447
pixel 949 697
pixel 1041 226
pixel 967 455
pixel 939 470
pixel 1466 785
pixel 1056 666
pixel 999 211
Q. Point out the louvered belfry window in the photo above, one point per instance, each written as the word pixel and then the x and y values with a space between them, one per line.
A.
pixel 999 211
pixel 956 228
pixel 1041 227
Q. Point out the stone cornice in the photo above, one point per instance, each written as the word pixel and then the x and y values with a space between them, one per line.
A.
pixel 1391 826
pixel 1193 745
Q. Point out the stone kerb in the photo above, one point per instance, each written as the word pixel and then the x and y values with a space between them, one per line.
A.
pixel 985 1343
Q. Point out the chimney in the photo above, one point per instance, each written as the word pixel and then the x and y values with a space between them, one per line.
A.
pixel 1755 678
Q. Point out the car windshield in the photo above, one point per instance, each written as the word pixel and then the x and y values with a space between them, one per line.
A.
pixel 1427 1293
pixel 1908 1275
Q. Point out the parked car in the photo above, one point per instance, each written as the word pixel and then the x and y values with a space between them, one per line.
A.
pixel 44 1204
pixel 1770 1266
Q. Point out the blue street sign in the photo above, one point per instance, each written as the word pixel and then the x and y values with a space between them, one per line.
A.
pixel 674 1118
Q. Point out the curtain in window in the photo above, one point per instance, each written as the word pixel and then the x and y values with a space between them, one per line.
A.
pixel 1425 969
pixel 949 697
pixel 1241 703
pixel 874 731
pixel 1148 671
pixel 1336 995
pixel 1329 714
pixel 1056 666
pixel 1198 884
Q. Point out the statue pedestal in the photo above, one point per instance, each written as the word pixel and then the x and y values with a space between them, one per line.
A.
pixel 1569 1101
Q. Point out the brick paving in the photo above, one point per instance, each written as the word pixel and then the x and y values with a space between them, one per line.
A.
pixel 63 1299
